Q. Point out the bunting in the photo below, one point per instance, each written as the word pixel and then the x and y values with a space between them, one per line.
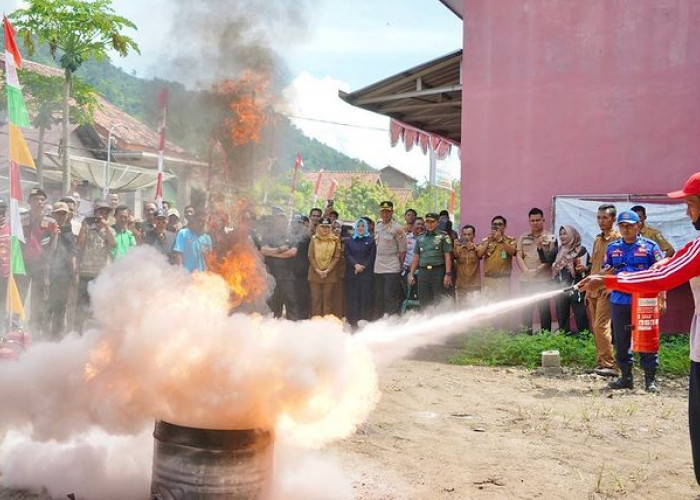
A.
pixel 19 154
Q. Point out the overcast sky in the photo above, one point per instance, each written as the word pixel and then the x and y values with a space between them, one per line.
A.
pixel 335 44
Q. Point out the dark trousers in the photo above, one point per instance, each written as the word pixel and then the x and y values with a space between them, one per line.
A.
pixel 621 318
pixel 57 306
pixel 565 303
pixel 430 286
pixel 284 296
pixel 543 306
pixel 358 298
pixel 387 293
pixel 303 294
pixel 694 416
pixel 83 306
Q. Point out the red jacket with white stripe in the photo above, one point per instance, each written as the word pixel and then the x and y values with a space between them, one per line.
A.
pixel 683 266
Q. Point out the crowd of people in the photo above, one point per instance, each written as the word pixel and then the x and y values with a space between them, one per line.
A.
pixel 63 252
pixel 357 271
pixel 366 270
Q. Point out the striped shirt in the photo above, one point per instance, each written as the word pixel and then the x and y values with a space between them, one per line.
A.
pixel 683 266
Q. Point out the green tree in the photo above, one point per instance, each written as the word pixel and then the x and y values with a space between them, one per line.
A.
pixel 75 31
pixel 361 199
pixel 45 101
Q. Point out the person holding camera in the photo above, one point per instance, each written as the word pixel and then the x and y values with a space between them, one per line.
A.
pixel 95 242
pixel 468 264
pixel 535 273
pixel 63 267
pixel 497 250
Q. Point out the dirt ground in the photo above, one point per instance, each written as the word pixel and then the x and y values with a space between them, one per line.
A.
pixel 456 432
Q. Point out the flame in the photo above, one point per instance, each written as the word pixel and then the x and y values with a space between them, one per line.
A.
pixel 248 98
pixel 243 271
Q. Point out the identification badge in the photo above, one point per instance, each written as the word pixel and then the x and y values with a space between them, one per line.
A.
pixel 504 254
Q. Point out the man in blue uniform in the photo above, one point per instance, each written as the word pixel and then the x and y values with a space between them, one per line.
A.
pixel 631 253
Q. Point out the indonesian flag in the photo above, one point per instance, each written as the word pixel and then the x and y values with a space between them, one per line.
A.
pixel 331 189
pixel 298 163
pixel 19 154
pixel 317 188
pixel 163 101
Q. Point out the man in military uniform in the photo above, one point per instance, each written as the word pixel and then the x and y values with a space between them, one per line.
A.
pixel 630 254
pixel 433 255
pixel 391 252
pixel 497 250
pixel 652 233
pixel 535 274
pixel 598 298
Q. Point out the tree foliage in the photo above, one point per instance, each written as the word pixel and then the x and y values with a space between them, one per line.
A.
pixel 74 30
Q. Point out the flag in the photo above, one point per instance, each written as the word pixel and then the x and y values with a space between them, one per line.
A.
pixel 298 163
pixel 331 189
pixel 163 101
pixel 317 188
pixel 19 154
pixel 453 201
pixel 13 303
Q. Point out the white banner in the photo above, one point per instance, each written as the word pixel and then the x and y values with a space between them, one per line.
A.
pixel 670 219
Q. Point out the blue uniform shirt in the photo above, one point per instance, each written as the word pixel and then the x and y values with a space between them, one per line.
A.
pixel 624 257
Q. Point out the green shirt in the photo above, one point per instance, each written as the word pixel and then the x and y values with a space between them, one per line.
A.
pixel 124 240
pixel 431 248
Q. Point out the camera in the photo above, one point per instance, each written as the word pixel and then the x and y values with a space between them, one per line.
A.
pixel 91 220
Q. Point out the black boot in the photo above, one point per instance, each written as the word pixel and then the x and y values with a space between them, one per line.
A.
pixel 650 380
pixel 625 381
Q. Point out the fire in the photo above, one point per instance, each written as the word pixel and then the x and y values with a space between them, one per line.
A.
pixel 243 271
pixel 248 97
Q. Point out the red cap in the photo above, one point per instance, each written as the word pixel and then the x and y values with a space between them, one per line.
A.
pixel 692 187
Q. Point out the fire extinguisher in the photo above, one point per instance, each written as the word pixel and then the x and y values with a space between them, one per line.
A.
pixel 645 322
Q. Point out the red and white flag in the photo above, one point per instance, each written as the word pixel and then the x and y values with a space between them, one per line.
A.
pixel 163 101
pixel 331 189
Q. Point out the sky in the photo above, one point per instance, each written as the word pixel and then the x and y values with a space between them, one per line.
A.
pixel 336 45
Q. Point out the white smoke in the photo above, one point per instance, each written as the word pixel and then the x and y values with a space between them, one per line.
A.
pixel 164 348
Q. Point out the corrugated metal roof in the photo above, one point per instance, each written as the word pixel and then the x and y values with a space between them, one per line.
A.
pixel 428 97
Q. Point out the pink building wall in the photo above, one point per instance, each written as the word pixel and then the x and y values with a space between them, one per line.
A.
pixel 576 97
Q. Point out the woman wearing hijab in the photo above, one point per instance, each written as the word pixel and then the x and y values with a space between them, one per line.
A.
pixel 569 266
pixel 360 252
pixel 324 253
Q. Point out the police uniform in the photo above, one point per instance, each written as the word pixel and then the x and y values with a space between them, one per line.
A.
pixel 391 241
pixel 600 304
pixel 498 264
pixel 653 234
pixel 626 257
pixel 430 250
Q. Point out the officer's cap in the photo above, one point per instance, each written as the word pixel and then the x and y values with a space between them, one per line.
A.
pixel 37 191
pixel 325 222
pixel 432 215
pixel 628 217
pixel 386 205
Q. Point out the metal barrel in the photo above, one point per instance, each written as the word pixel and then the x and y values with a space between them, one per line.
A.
pixel 194 464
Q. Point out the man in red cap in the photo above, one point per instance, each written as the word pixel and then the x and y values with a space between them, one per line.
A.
pixel 665 275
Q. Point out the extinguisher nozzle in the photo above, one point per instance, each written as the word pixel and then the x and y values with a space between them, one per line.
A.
pixel 570 289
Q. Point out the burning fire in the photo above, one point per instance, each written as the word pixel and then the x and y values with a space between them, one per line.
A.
pixel 248 98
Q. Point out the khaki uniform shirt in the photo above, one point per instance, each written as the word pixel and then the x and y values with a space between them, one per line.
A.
pixel 527 244
pixel 497 262
pixel 600 246
pixel 468 267
pixel 653 234
pixel 391 241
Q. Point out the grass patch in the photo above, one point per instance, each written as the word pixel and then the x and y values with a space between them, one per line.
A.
pixel 503 348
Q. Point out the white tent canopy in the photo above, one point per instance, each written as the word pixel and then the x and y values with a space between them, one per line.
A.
pixel 122 177
pixel 581 213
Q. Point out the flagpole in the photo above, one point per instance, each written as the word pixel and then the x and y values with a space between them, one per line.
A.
pixel 163 100
pixel 297 165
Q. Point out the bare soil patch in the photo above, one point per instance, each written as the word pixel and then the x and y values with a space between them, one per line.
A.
pixel 443 431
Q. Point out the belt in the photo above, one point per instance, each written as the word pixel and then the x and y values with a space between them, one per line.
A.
pixel 433 267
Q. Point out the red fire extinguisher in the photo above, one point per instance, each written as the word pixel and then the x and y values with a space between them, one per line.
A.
pixel 645 322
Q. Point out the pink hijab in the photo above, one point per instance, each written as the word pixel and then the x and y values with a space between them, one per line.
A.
pixel 567 253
